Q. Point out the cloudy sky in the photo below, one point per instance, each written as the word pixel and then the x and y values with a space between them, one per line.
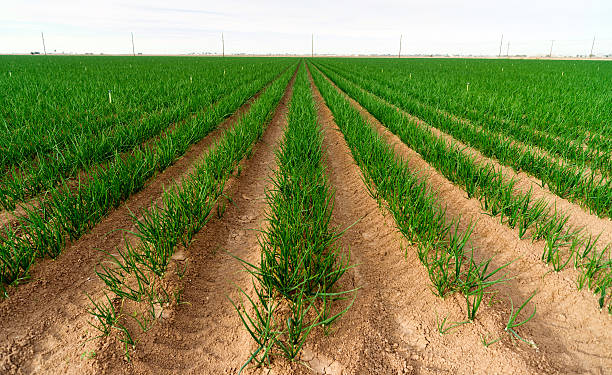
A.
pixel 339 27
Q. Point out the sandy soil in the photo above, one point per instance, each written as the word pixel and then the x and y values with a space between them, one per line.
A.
pixel 205 335
pixel 536 150
pixel 578 216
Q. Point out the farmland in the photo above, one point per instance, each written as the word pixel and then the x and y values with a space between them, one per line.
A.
pixel 317 215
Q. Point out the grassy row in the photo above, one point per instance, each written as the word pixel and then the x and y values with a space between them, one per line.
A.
pixel 567 148
pixel 136 273
pixel 300 262
pixel 417 210
pixel 498 196
pixel 568 99
pixel 591 191
pixel 49 101
pixel 36 175
pixel 67 213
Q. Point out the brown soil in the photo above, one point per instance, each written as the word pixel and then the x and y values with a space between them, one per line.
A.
pixel 44 323
pixel 11 217
pixel 391 327
pixel 578 216
pixel 571 334
pixel 551 157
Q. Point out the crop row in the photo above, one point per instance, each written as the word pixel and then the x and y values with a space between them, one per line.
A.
pixel 49 102
pixel 571 152
pixel 136 272
pixel 68 212
pixel 416 208
pixel 566 99
pixel 591 191
pixel 36 175
pixel 300 262
pixel 497 195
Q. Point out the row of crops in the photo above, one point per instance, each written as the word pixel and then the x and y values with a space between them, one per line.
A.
pixel 90 168
pixel 83 135
pixel 300 262
pixel 41 150
pixel 136 273
pixel 536 219
pixel 568 100
pixel 419 213
pixel 581 176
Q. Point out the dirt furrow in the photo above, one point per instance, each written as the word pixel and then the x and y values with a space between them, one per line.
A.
pixel 44 323
pixel 204 335
pixel 565 315
pixel 391 327
pixel 578 216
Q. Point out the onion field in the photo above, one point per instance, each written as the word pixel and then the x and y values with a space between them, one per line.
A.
pixel 267 215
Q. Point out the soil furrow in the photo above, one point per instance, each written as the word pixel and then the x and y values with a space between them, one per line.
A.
pixel 565 314
pixel 556 159
pixel 44 323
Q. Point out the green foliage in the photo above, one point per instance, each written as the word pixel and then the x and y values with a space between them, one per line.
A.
pixel 73 207
pixel 300 261
pixel 497 194
pixel 417 210
pixel 567 178
pixel 137 271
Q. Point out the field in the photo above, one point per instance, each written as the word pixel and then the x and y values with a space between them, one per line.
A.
pixel 285 215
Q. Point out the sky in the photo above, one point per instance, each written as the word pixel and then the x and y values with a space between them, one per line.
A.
pixel 277 27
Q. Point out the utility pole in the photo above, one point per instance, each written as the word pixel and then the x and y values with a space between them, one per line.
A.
pixel 133 50
pixel 551 46
pixel 43 40
pixel 399 55
pixel 223 44
pixel 500 45
pixel 592 45
pixel 508 50
pixel 312 45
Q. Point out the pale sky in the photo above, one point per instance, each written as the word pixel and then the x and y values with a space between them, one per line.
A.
pixel 339 27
